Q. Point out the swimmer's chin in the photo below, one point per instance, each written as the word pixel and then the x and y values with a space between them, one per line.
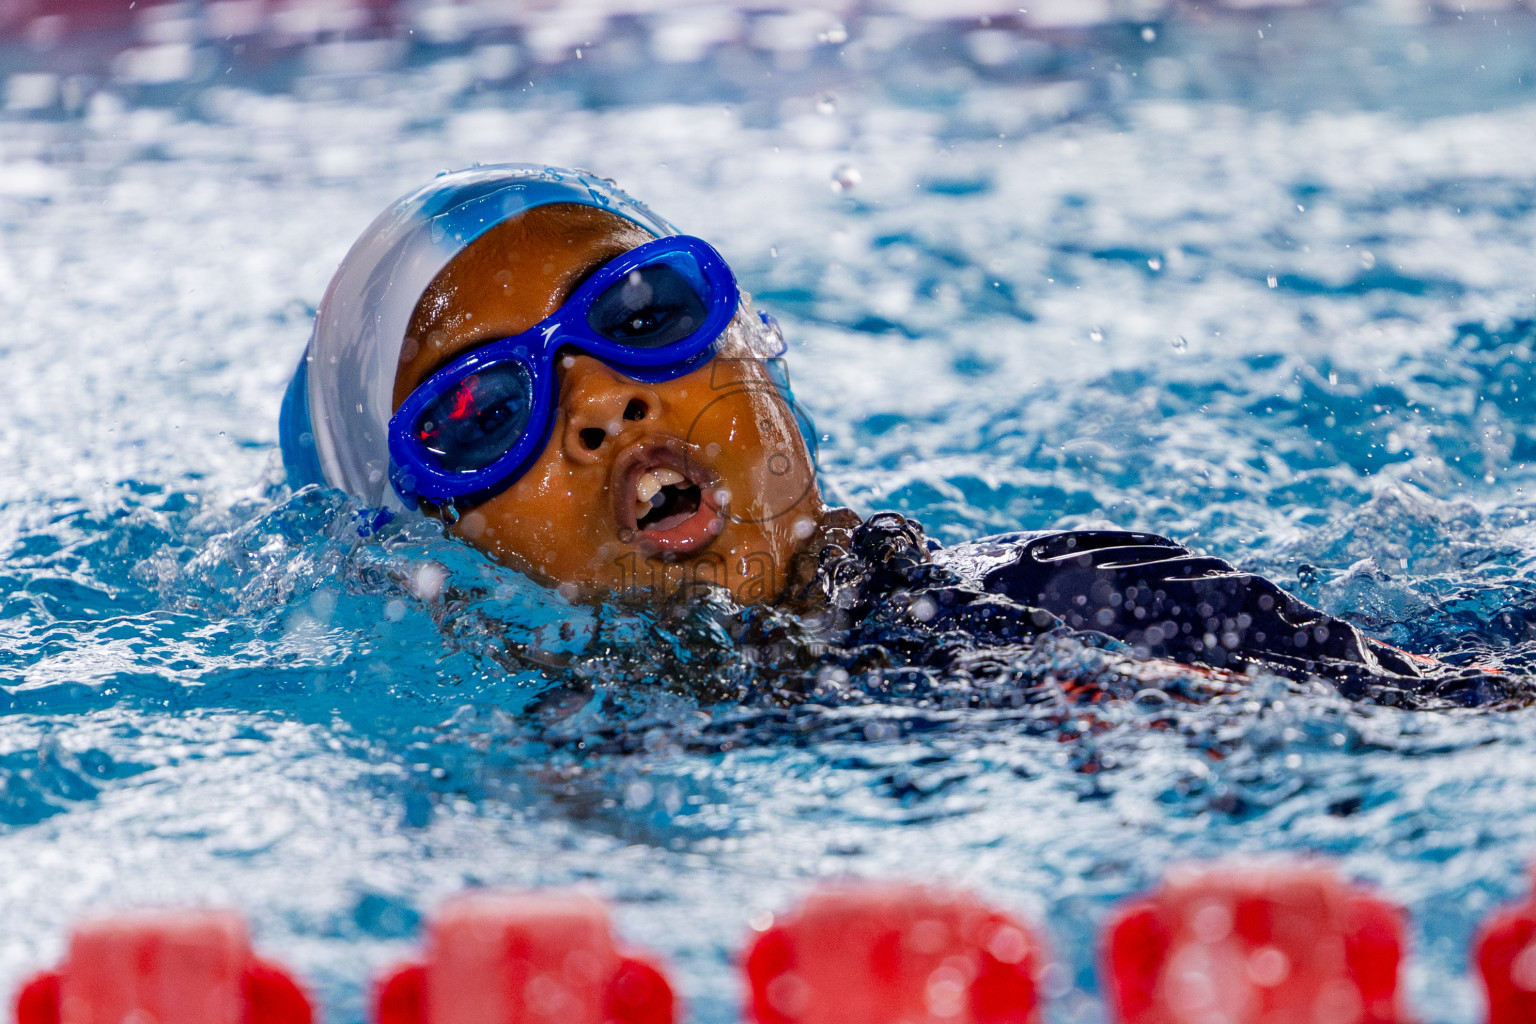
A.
pixel 621 571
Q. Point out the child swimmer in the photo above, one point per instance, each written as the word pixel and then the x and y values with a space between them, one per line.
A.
pixel 583 393
pixel 572 385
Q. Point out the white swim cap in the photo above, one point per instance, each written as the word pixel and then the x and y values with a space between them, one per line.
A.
pixel 335 418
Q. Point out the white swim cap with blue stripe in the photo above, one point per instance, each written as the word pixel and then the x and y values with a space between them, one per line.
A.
pixel 335 418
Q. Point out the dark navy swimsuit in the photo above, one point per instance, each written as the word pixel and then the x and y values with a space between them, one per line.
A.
pixel 1143 590
pixel 1166 602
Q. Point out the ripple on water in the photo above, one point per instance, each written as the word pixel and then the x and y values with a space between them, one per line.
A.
pixel 1277 308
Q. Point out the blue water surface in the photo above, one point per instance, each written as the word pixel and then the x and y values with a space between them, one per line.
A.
pixel 1260 279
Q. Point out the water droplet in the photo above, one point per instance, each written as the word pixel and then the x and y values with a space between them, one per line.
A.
pixel 1148 34
pixel 1180 343
pixel 1272 281
pixel 826 103
pixel 845 178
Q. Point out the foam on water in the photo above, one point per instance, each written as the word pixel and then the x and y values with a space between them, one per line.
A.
pixel 1266 294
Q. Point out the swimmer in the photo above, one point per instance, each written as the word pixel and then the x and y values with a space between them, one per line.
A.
pixel 585 394
pixel 566 381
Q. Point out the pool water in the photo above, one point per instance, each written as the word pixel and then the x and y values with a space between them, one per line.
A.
pixel 1257 278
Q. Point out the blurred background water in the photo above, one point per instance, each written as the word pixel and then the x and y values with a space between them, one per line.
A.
pixel 1258 276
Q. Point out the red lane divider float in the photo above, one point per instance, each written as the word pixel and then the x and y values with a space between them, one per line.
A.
pixel 1289 945
pixel 867 953
pixel 1505 955
pixel 524 958
pixel 169 967
pixel 1279 945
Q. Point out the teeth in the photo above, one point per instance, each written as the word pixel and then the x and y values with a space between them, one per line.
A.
pixel 654 480
pixel 650 484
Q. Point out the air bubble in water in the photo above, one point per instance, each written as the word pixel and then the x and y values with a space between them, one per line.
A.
pixel 845 178
pixel 826 103
pixel 1155 263
pixel 1180 344
pixel 1095 333
pixel 427 579
pixel 1148 34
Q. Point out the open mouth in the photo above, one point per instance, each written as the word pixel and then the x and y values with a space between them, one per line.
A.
pixel 669 500
pixel 664 498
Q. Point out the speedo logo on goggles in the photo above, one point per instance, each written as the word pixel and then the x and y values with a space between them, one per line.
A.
pixel 475 426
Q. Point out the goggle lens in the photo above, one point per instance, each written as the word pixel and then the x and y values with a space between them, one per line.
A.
pixel 649 307
pixel 479 419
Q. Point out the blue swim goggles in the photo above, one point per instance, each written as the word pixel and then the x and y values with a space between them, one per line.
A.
pixel 475 426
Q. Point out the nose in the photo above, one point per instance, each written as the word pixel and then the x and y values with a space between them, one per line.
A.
pixel 598 403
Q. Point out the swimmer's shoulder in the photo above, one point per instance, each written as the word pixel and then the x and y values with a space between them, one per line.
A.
pixel 982 563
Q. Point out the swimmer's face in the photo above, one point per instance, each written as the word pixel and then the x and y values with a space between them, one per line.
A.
pixel 718 447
